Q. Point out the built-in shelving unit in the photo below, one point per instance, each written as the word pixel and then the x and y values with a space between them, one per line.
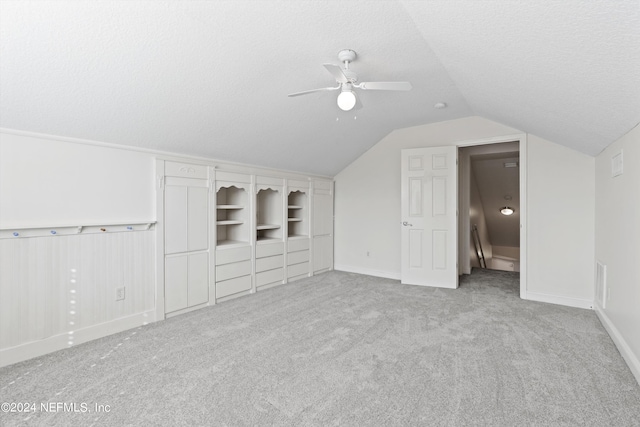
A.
pixel 298 237
pixel 270 232
pixel 269 214
pixel 297 213
pixel 231 216
pixel 234 222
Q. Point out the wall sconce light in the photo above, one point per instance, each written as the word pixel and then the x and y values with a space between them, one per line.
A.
pixel 507 210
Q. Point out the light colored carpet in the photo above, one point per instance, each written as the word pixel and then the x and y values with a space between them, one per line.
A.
pixel 344 349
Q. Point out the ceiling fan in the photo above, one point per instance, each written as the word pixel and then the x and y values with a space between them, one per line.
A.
pixel 348 81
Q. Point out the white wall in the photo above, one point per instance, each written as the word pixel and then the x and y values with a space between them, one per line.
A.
pixel 560 235
pixel 617 234
pixel 58 291
pixel 367 194
pixel 46 182
pixel 476 217
pixel 506 251
pixel 560 208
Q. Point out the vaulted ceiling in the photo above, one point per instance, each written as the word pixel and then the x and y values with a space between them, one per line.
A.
pixel 211 78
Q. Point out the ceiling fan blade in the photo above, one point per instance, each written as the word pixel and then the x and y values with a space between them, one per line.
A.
pixel 385 86
pixel 314 90
pixel 337 73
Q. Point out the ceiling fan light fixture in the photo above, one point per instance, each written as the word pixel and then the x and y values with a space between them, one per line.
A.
pixel 346 100
pixel 507 210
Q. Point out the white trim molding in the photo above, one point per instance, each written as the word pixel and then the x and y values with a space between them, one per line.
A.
pixel 621 344
pixel 33 349
pixel 394 275
pixel 560 300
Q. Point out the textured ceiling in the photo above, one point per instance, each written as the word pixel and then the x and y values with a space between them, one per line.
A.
pixel 211 78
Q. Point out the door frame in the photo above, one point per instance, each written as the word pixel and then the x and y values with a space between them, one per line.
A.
pixel 464 228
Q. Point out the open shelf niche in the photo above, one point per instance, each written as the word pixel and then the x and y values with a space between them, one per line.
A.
pixel 297 214
pixel 269 214
pixel 231 215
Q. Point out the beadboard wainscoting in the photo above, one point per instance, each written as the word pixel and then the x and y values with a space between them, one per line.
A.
pixel 59 291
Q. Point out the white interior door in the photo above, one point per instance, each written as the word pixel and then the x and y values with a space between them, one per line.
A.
pixel 429 217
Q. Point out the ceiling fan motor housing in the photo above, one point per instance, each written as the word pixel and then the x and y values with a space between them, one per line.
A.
pixel 350 75
pixel 347 55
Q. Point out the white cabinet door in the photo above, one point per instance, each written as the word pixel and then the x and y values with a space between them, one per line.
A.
pixel 197 219
pixel 186 211
pixel 322 253
pixel 186 281
pixel 322 226
pixel 175 219
pixel 175 283
pixel 186 237
pixel 322 214
pixel 429 219
pixel 198 279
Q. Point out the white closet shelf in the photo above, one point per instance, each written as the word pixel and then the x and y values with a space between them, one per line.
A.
pixel 294 207
pixel 230 243
pixel 229 222
pixel 267 227
pixel 268 239
pixel 294 219
pixel 229 207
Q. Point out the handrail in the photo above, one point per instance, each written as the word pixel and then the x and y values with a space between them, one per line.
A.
pixel 478 245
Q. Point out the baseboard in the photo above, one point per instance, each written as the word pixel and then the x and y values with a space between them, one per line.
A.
pixel 369 272
pixel 632 360
pixel 560 300
pixel 19 353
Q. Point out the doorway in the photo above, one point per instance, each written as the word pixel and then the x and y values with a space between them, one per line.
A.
pixel 435 252
pixel 491 177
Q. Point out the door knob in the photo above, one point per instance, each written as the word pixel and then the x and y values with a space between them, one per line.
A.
pixel 406 224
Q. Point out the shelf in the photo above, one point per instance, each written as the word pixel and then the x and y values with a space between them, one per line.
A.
pixel 229 207
pixel 267 227
pixel 297 236
pixel 230 243
pixel 294 219
pixel 268 239
pixel 229 222
pixel 294 207
pixel 64 230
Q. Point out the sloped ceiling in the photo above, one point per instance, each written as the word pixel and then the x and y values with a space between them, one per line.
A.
pixel 211 78
pixel 498 187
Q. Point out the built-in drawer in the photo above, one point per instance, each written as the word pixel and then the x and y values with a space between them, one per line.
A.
pixel 268 277
pixel 233 286
pixel 294 245
pixel 185 170
pixel 297 257
pixel 269 249
pixel 298 269
pixel 226 256
pixel 269 263
pixel 229 271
